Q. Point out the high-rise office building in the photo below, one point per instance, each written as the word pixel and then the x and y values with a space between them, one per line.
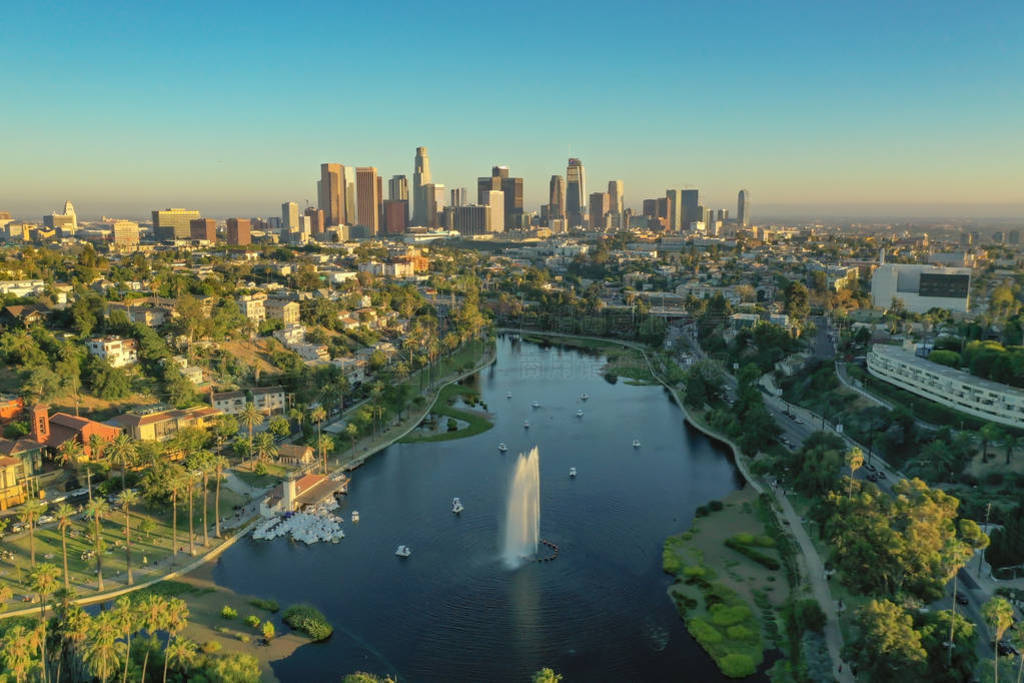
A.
pixel 289 216
pixel 317 223
pixel 435 196
pixel 460 196
pixel 398 188
pixel 420 178
pixel 126 234
pixel 486 184
pixel 615 188
pixel 368 198
pixel 203 229
pixel 1014 237
pixel 691 210
pixel 396 216
pixel 556 197
pixel 495 211
pixel 172 224
pixel 238 232
pixel 332 193
pixel 650 208
pixel 350 195
pixel 575 192
pixel 512 188
pixel 468 219
pixel 674 210
pixel 743 208
pixel 599 203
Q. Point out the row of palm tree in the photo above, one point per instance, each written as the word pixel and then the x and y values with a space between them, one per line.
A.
pixel 76 646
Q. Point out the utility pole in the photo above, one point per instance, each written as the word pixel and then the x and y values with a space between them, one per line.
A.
pixel 952 621
pixel 981 560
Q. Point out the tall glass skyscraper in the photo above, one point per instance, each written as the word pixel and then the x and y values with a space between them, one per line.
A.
pixel 556 197
pixel 420 179
pixel 575 192
pixel 743 208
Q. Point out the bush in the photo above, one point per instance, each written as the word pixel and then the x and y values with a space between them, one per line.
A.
pixel 737 665
pixel 756 556
pixel 269 605
pixel 260 469
pixel 702 511
pixel 744 538
pixel 253 621
pixel 244 637
pixel 694 570
pixel 309 620
pixel 715 505
pixel 211 647
pixel 703 632
pixel 222 629
pixel 268 630
pixel 228 612
pixel 722 615
pixel 740 632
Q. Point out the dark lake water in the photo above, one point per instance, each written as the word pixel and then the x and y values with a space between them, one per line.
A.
pixel 452 611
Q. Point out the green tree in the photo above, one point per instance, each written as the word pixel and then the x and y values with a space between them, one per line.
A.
pixel 989 433
pixel 43 580
pixel 31 511
pixel 103 650
pixel 64 514
pixel 181 650
pixel 219 464
pixel 887 647
pixel 16 651
pixel 546 675
pixel 123 453
pixel 96 508
pixel 251 418
pixel 325 444
pixel 279 426
pixel 998 615
pixel 126 499
pixel 854 460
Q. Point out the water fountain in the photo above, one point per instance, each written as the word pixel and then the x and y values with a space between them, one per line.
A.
pixel 522 519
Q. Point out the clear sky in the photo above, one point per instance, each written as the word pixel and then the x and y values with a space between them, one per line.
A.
pixel 230 107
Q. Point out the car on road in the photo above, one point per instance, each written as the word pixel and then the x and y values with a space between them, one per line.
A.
pixel 961 599
pixel 870 468
pixel 1005 649
pixel 46 519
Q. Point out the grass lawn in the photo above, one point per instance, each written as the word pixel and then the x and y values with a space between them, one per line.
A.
pixel 476 421
pixel 150 555
pixel 275 474
pixel 720 590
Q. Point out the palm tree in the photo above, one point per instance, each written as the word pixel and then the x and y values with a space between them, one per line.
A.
pixel 124 617
pixel 998 615
pixel 351 431
pixel 30 512
pixel 96 508
pixel 1017 640
pixel 126 500
pixel 70 452
pixel 152 617
pixel 205 466
pixel 219 463
pixel 122 451
pixel 989 433
pixel 854 460
pixel 326 444
pixel 175 620
pixel 318 415
pixel 43 580
pixel 298 414
pixel 175 480
pixel 16 649
pixel 97 445
pixel 181 649
pixel 64 514
pixel 265 448
pixel 251 418
pixel 190 485
pixel 103 650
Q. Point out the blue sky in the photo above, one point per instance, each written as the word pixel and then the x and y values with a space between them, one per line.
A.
pixel 230 107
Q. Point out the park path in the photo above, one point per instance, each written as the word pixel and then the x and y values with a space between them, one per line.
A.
pixel 819 585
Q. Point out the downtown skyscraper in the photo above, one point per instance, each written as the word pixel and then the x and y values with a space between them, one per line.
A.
pixel 556 197
pixel 331 193
pixel 420 179
pixel 575 192
pixel 743 208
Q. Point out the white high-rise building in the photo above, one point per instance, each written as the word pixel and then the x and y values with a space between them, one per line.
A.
pixel 921 287
pixel 289 216
pixel 495 211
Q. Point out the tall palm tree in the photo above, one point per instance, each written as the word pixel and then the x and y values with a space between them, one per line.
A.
pixel 998 615
pixel 122 452
pixel 44 580
pixel 175 621
pixel 16 649
pixel 175 481
pixel 854 460
pixel 73 624
pixel 125 617
pixel 351 431
pixel 64 514
pixel 251 418
pixel 31 511
pixel 181 649
pixel 205 467
pixel 97 446
pixel 152 617
pixel 318 415
pixel 298 413
pixel 326 444
pixel 103 651
pixel 219 462
pixel 96 509
pixel 126 499
pixel 190 485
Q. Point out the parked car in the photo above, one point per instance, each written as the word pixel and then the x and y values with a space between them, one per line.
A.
pixel 46 519
pixel 961 599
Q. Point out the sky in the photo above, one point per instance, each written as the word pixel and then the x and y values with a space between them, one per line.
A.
pixel 230 107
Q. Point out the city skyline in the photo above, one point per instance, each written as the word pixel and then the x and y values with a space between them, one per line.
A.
pixel 818 110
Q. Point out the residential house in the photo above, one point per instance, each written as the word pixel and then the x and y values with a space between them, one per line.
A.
pixel 270 400
pixel 23 316
pixel 163 425
pixel 294 454
pixel 13 479
pixel 253 306
pixel 118 351
pixel 283 310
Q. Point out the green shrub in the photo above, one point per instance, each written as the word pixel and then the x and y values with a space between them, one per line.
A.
pixel 268 605
pixel 739 632
pixel 737 665
pixel 764 541
pixel 244 637
pixel 756 556
pixel 810 615
pixel 309 620
pixel 729 615
pixel 228 612
pixel 702 511
pixel 715 505
pixel 703 632
pixel 222 629
pixel 694 570
pixel 211 647
pixel 268 630
pixel 744 538
pixel 253 621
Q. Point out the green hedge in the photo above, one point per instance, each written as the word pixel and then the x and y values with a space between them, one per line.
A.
pixel 751 553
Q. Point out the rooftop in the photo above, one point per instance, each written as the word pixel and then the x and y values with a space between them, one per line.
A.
pixel 900 354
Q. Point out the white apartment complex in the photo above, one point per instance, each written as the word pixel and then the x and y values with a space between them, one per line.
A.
pixel 947 386
pixel 117 351
pixel 253 306
pixel 921 287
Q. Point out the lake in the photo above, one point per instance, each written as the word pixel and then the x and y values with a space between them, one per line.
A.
pixel 452 611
